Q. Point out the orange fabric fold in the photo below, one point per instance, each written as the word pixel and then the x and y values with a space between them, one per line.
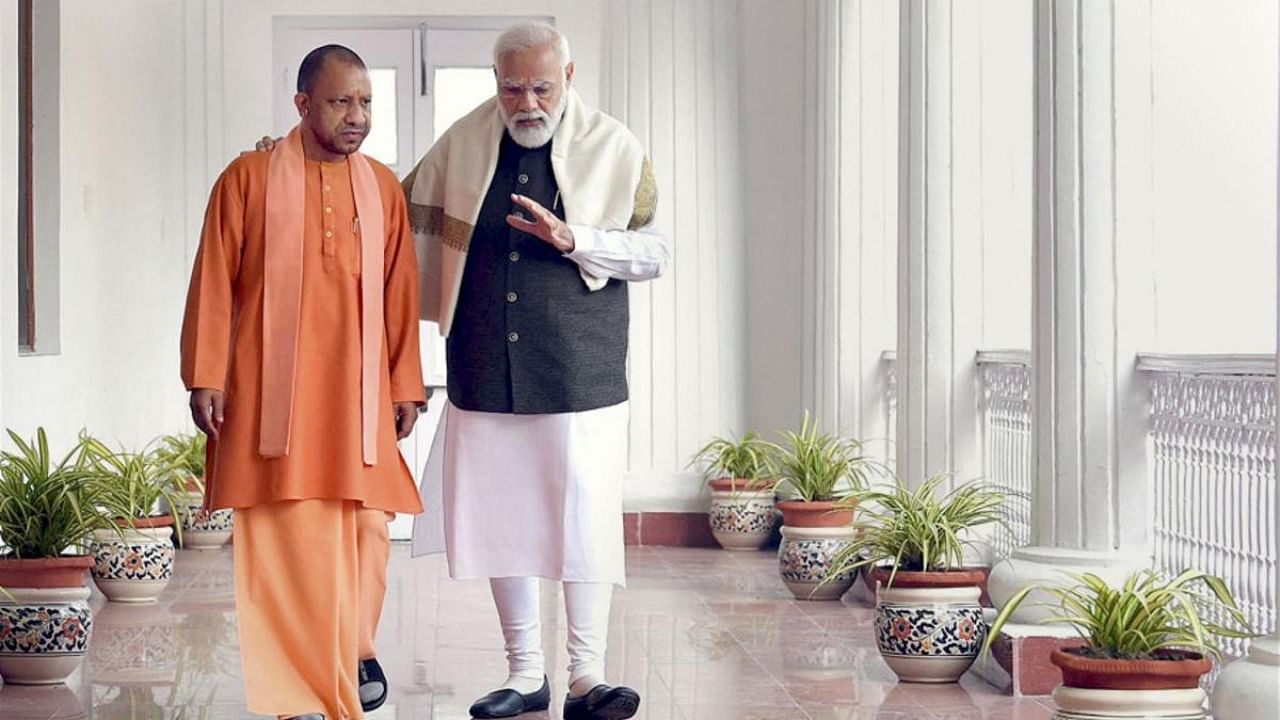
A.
pixel 297 572
pixel 282 293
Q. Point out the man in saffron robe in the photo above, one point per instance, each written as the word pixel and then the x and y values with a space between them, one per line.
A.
pixel 300 349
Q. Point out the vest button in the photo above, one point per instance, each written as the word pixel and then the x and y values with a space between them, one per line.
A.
pixel 513 337
pixel 523 178
pixel 512 297
pixel 514 256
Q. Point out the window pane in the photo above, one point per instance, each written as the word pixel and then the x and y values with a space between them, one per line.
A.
pixel 382 145
pixel 458 90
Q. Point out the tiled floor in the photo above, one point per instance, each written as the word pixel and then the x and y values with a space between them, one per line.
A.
pixel 702 634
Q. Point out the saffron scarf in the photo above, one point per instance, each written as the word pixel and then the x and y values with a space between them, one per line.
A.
pixel 282 293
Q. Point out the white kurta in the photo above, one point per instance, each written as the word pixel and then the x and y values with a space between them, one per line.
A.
pixel 537 495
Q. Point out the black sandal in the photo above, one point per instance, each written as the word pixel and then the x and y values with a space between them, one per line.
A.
pixel 371 677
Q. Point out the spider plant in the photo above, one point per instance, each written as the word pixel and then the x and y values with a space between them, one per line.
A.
pixel 130 485
pixel 1145 617
pixel 185 453
pixel 744 461
pixel 812 465
pixel 46 507
pixel 918 530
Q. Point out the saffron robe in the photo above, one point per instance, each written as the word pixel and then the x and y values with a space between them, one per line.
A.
pixel 222 342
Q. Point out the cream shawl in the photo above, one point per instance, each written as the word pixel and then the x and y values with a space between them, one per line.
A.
pixel 605 183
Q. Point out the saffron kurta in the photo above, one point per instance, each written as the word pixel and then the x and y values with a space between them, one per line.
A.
pixel 222 342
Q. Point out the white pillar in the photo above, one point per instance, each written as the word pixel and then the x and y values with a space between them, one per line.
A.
pixel 1250 687
pixel 936 373
pixel 849 245
pixel 1084 467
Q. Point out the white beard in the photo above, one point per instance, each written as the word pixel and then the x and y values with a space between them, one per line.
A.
pixel 538 135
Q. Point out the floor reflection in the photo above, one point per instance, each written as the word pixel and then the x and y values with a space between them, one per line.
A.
pixel 702 634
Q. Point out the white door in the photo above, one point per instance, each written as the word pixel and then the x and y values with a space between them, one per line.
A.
pixel 423 80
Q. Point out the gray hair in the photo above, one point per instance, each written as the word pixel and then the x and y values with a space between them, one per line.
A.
pixel 528 35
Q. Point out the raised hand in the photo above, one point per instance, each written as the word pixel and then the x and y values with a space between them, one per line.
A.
pixel 544 225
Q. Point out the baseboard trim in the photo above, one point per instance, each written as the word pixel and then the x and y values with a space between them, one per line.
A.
pixel 668 529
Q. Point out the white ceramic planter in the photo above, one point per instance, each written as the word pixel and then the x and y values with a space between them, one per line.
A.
pixel 804 557
pixel 202 529
pixel 135 565
pixel 1250 686
pixel 44 633
pixel 1090 704
pixel 929 634
pixel 742 519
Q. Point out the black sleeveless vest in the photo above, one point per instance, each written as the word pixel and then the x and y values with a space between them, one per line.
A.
pixel 528 337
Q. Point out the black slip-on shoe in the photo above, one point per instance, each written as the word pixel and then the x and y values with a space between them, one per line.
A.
pixel 506 702
pixel 373 685
pixel 603 703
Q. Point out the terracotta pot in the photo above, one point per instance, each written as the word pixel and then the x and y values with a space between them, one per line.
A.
pixel 960 577
pixel 153 521
pixel 1182 671
pixel 45 619
pixel 816 514
pixel 742 485
pixel 55 572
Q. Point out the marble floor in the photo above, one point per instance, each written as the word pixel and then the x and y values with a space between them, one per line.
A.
pixel 702 634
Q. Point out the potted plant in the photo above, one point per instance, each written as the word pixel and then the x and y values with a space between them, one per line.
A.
pixel 742 514
pixel 1146 643
pixel 135 563
pixel 816 471
pixel 47 509
pixel 929 623
pixel 202 529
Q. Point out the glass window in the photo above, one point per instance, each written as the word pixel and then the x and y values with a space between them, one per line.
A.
pixel 382 143
pixel 458 90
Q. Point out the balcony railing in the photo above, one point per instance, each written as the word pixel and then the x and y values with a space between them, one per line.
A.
pixel 1213 444
pixel 1212 464
pixel 1006 430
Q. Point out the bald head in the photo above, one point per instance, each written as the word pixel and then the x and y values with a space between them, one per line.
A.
pixel 315 61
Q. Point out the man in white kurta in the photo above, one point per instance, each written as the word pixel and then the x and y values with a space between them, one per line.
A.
pixel 530 217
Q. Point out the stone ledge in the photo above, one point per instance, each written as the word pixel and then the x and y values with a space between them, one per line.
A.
pixel 671 529
pixel 1019 662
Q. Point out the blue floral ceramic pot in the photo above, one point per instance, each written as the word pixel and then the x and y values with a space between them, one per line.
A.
pixel 135 564
pixel 44 631
pixel 929 625
pixel 741 518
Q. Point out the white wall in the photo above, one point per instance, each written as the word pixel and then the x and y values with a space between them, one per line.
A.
pixel 1208 195
pixel 671 74
pixel 8 198
pixel 123 266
